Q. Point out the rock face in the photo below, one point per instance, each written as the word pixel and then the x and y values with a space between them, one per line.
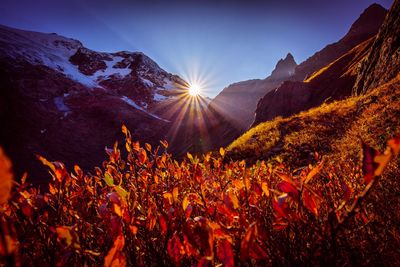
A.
pixel 284 69
pixel 66 102
pixel 365 27
pixel 334 82
pixel 237 102
pixel 383 62
pixel 328 75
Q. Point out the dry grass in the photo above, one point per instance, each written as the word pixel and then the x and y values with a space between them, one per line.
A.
pixel 335 130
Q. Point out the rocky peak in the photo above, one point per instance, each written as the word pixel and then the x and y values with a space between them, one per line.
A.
pixel 284 68
pixel 366 21
pixel 365 27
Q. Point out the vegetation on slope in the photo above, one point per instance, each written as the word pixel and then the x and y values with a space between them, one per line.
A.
pixel 150 210
pixel 334 130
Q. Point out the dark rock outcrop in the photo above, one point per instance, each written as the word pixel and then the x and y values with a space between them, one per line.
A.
pixel 383 62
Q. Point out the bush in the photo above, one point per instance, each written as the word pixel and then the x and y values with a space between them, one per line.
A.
pixel 148 209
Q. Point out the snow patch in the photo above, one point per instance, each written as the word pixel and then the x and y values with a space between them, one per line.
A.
pixel 168 84
pixel 61 106
pixel 110 70
pixel 133 104
pixel 158 97
pixel 147 82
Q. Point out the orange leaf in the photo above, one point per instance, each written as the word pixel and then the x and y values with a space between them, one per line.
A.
pixel 136 146
pixel 6 177
pixel 64 233
pixel 394 144
pixel 264 187
pixel 142 156
pixel 148 147
pixel 313 172
pixel 124 130
pixel 175 194
pixel 164 143
pixel 185 202
pixel 46 163
pixel 382 161
pixel 115 256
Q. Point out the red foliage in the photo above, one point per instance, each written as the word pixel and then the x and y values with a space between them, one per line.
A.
pixel 149 209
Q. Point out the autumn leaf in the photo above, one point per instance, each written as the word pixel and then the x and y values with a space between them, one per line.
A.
pixel 175 194
pixel 288 188
pixel 280 207
pixel 148 147
pixel 284 176
pixel 108 179
pixel 382 160
pixel 257 252
pixel 168 196
pixel 164 144
pixel 313 172
pixel 115 256
pixel 185 202
pixel 142 156
pixel 394 144
pixel 264 187
pixel 163 224
pixel 222 151
pixel 124 130
pixel 190 157
pixel 64 233
pixel 46 163
pixel 225 253
pixel 368 164
pixel 6 177
pixel 175 249
pixel 136 146
pixel 121 192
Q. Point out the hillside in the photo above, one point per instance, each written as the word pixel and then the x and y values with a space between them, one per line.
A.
pixel 335 130
pixel 334 81
pixel 328 75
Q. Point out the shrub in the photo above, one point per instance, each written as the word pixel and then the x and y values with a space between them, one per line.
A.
pixel 148 209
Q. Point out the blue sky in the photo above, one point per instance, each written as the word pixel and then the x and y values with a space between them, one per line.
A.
pixel 214 42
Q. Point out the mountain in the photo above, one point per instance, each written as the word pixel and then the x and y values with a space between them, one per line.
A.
pixel 365 27
pixel 238 101
pixel 328 75
pixel 335 129
pixel 66 102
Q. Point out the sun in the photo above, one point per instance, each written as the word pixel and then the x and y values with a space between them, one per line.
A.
pixel 194 89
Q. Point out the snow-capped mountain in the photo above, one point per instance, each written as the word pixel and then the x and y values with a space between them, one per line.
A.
pixel 64 101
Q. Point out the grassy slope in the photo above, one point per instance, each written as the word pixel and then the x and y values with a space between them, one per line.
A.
pixel 334 130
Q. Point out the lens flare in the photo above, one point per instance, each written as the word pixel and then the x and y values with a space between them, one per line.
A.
pixel 194 90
